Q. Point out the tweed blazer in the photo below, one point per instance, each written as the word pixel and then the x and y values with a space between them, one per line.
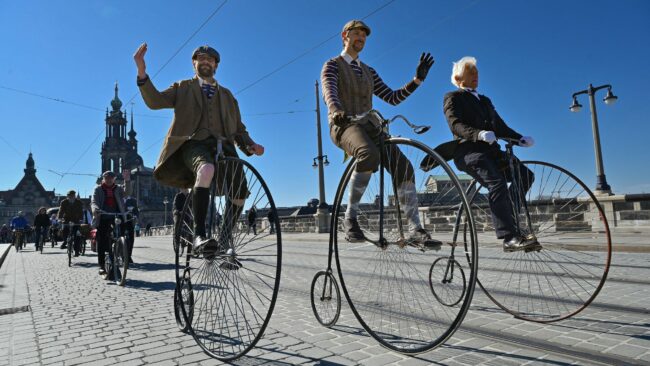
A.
pixel 185 97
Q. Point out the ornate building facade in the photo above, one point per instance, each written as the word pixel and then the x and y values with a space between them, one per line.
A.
pixel 119 154
pixel 28 196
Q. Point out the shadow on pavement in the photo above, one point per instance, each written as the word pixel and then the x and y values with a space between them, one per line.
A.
pixel 150 286
pixel 152 266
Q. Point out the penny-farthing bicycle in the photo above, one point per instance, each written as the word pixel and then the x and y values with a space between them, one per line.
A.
pixel 560 275
pixel 386 278
pixel 225 299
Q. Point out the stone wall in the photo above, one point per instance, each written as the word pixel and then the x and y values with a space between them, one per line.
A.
pixel 624 212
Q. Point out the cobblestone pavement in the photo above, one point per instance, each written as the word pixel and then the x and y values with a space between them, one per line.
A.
pixel 52 314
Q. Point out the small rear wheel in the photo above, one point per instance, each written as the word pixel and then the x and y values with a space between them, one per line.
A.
pixel 325 298
pixel 447 281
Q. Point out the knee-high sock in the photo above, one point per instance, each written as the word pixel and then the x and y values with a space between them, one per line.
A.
pixel 408 199
pixel 200 203
pixel 358 183
pixel 231 215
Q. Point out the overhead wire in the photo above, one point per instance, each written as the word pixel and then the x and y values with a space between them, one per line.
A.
pixel 296 58
pixel 157 72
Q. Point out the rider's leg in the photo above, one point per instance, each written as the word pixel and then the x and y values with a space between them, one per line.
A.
pixel 355 141
pixel 76 239
pixel 484 168
pixel 232 182
pixel 201 197
pixel 103 241
pixel 66 231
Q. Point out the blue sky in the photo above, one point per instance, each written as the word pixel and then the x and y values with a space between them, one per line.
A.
pixel 532 55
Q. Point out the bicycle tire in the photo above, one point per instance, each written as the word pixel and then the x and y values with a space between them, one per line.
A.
pixel 325 303
pixel 566 275
pixel 120 260
pixel 183 289
pixel 69 248
pixel 387 288
pixel 230 275
pixel 449 292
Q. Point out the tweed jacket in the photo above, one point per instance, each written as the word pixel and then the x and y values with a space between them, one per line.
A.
pixel 186 98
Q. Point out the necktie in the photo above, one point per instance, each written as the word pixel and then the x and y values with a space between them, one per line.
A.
pixel 355 66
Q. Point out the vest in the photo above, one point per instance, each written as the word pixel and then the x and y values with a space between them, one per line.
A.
pixel 355 92
pixel 211 123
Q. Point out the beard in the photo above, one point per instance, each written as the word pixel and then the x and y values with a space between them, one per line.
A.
pixel 205 71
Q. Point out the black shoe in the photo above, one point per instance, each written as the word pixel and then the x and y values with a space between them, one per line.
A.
pixel 63 246
pixel 353 232
pixel 519 242
pixel 206 246
pixel 131 261
pixel 76 254
pixel 230 263
pixel 102 272
pixel 421 238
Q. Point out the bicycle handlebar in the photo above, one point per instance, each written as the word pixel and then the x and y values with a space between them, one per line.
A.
pixel 418 129
pixel 510 141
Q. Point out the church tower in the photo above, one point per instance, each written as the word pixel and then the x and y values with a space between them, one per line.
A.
pixel 119 154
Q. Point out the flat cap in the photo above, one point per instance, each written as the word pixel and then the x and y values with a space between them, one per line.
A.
pixel 208 51
pixel 108 173
pixel 353 24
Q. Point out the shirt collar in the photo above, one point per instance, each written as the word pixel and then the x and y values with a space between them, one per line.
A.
pixel 203 82
pixel 348 58
pixel 473 91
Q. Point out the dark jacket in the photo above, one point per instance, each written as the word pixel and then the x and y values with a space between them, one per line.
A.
pixel 467 116
pixel 71 211
pixel 42 220
pixel 97 202
pixel 133 203
pixel 252 216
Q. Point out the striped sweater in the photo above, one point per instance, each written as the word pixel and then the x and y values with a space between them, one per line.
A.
pixel 330 78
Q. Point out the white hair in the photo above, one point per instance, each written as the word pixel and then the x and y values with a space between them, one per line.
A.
pixel 459 68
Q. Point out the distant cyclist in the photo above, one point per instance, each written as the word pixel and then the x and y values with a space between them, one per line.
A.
pixel 41 226
pixel 18 225
pixel 71 212
pixel 107 197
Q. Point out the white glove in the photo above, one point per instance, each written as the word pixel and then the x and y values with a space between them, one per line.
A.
pixel 487 136
pixel 526 141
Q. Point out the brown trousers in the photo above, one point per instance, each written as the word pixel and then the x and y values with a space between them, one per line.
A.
pixel 362 142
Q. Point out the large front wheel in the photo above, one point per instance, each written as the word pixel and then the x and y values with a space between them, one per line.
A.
pixel 233 286
pixel 565 275
pixel 386 279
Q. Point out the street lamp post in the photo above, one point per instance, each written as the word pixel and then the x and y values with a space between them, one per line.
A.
pixel 601 181
pixel 165 202
pixel 322 214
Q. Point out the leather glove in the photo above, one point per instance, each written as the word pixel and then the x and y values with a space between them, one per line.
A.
pixel 487 136
pixel 426 61
pixel 340 119
pixel 526 141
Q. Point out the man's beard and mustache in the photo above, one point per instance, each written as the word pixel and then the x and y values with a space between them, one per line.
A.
pixel 358 46
pixel 206 71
